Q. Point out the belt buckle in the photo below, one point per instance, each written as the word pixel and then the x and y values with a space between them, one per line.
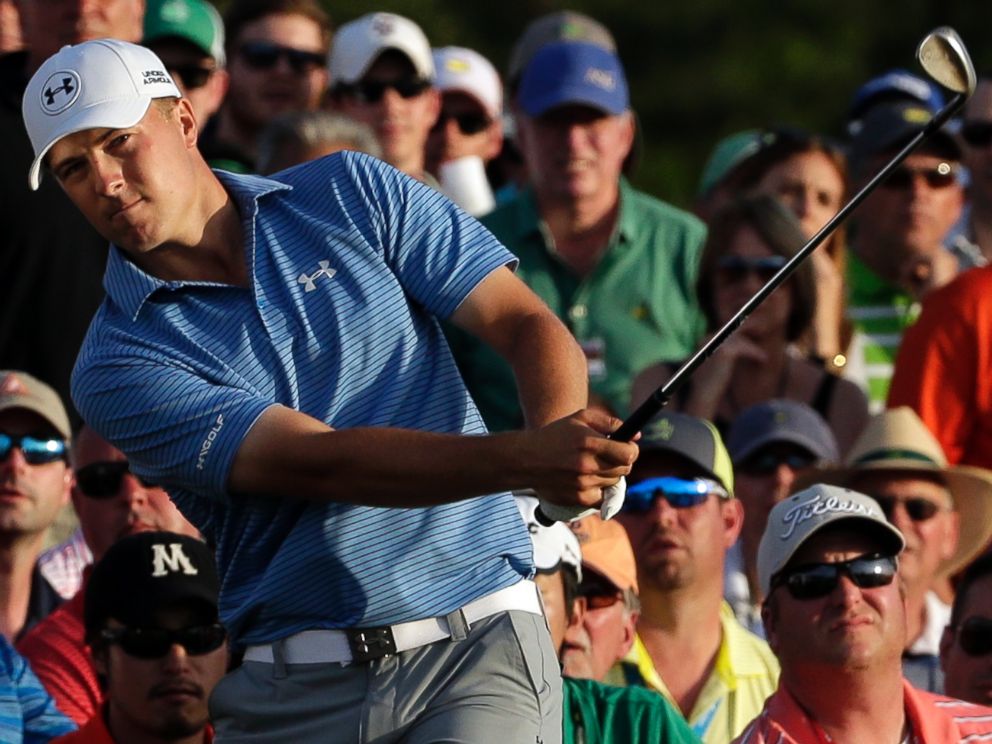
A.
pixel 370 643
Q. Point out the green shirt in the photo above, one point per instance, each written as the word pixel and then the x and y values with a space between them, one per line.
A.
pixel 880 313
pixel 595 713
pixel 636 308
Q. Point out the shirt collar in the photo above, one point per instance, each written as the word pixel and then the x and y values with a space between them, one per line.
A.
pixel 129 286
pixel 529 217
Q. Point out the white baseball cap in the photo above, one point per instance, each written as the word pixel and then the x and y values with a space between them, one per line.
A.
pixel 794 521
pixel 466 71
pixel 101 84
pixel 359 43
pixel 554 545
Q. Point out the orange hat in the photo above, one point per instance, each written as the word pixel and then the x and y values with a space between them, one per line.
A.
pixel 606 550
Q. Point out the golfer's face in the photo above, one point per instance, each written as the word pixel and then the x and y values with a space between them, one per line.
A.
pixel 132 184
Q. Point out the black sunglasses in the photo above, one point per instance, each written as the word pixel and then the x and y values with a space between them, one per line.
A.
pixel 766 463
pixel 190 76
pixel 102 480
pixel 975 636
pixel 734 269
pixel 468 123
pixel 977 133
pixel 938 177
pixel 154 643
pixel 372 91
pixel 36 450
pixel 815 580
pixel 918 508
pixel 262 55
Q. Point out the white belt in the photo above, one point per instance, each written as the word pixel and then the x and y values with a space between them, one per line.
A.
pixel 364 644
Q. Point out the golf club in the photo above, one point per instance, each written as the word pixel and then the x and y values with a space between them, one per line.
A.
pixel 944 58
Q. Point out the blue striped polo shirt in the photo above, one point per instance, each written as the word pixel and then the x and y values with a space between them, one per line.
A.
pixel 351 264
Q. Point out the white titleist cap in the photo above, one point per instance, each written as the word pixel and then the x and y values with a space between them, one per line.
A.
pixel 794 521
pixel 101 84
pixel 461 70
pixel 358 44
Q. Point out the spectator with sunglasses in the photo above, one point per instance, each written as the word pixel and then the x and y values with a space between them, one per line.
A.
pixel 808 174
pixel 835 617
pixel 188 36
pixel 593 712
pixel 275 51
pixel 682 517
pixel 468 133
pixel 749 240
pixel 943 512
pixel 152 627
pixel 966 645
pixel 35 478
pixel 971 239
pixel 112 503
pixel 770 445
pixel 612 606
pixel 382 74
pixel 897 254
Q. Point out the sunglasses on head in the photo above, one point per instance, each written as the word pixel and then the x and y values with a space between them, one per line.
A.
pixel 190 77
pixel 262 55
pixel 154 643
pixel 917 508
pixel 36 450
pixel 372 91
pixel 102 480
pixel 937 177
pixel 977 133
pixel 468 123
pixel 766 463
pixel 682 493
pixel 975 636
pixel 733 269
pixel 815 580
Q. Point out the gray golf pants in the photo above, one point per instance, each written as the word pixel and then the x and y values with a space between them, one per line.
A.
pixel 500 684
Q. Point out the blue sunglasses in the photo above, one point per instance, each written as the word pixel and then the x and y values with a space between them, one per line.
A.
pixel 681 493
pixel 37 450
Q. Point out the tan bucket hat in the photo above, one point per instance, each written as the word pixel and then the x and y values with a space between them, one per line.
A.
pixel 898 440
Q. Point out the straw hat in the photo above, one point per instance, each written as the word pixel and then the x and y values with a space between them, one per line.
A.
pixel 897 440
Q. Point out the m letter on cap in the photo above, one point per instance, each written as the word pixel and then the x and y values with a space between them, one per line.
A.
pixel 170 558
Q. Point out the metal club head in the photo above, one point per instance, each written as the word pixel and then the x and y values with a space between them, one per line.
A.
pixel 943 56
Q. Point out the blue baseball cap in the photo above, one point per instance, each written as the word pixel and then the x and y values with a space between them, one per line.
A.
pixel 893 86
pixel 574 72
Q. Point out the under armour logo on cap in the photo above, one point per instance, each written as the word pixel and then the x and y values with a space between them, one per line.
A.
pixel 60 91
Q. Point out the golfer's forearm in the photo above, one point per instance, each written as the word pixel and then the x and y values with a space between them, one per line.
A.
pixel 388 467
pixel 550 370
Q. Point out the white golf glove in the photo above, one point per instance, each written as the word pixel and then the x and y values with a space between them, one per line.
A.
pixel 612 502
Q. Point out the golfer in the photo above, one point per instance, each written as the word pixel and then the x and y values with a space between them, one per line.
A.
pixel 269 351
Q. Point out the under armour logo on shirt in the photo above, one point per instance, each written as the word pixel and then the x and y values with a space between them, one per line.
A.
pixel 309 282
pixel 170 558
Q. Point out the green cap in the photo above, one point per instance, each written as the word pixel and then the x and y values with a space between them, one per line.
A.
pixel 727 155
pixel 195 21
pixel 693 439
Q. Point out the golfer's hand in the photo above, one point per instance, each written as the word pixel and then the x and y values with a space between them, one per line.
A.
pixel 571 460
